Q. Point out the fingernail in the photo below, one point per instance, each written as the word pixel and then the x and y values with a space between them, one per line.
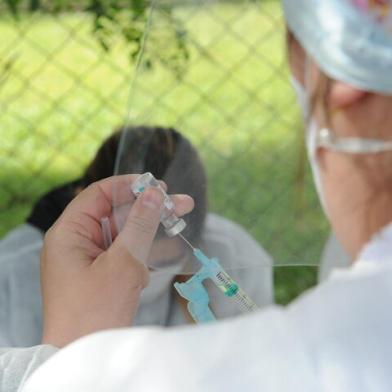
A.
pixel 152 198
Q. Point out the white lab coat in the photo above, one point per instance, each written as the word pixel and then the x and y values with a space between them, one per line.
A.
pixel 20 299
pixel 333 256
pixel 336 337
pixel 17 364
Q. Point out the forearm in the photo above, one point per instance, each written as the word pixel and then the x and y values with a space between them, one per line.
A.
pixel 17 364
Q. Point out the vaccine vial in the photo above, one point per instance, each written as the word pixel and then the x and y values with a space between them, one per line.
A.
pixel 172 223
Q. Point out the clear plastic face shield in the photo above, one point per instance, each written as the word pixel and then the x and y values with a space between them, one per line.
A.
pixel 224 120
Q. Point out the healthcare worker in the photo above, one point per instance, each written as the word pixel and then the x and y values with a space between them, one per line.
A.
pixel 336 337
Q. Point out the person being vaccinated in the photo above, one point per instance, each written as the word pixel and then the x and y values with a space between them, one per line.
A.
pixel 166 153
pixel 337 336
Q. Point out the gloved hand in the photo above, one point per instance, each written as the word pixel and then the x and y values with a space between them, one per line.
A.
pixel 84 287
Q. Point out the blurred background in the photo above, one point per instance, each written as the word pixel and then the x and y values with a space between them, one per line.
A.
pixel 217 72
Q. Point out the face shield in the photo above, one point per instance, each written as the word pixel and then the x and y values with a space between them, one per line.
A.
pixel 212 114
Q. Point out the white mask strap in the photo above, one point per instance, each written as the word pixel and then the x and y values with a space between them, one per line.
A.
pixel 352 145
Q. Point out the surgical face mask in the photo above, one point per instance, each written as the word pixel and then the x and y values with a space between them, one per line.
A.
pixel 351 41
pixel 161 279
pixel 302 97
pixel 160 283
pixel 311 138
pixel 317 137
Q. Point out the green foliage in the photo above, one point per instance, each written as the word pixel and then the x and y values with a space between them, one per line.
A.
pixel 244 126
pixel 112 18
pixel 13 5
pixel 119 18
pixel 5 69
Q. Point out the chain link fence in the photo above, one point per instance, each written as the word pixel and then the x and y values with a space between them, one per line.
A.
pixel 63 91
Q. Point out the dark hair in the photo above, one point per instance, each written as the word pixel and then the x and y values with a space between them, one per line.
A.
pixel 166 154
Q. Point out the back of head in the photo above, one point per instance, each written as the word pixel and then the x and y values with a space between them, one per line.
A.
pixel 165 153
pixel 340 54
pixel 349 39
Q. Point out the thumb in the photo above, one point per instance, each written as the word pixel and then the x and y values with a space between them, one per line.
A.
pixel 138 233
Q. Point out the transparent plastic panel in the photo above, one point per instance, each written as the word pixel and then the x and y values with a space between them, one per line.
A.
pixel 212 114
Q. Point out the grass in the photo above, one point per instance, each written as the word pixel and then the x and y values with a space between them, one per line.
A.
pixel 62 95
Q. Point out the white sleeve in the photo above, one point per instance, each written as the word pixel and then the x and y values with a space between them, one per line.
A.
pixel 21 237
pixel 333 256
pixel 20 297
pixel 334 338
pixel 17 364
pixel 255 353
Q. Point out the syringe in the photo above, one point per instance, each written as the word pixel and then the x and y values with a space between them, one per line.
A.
pixel 225 283
pixel 223 280
pixel 193 290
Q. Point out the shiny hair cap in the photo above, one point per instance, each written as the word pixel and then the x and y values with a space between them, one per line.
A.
pixel 351 40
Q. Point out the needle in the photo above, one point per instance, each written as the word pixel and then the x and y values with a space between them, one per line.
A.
pixel 187 242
